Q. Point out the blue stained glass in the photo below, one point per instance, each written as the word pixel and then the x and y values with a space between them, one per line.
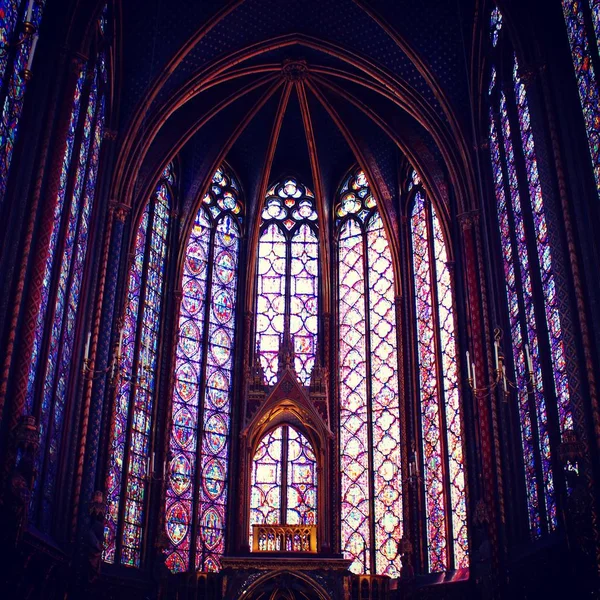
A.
pixel 587 82
pixel 13 75
pixel 288 275
pixel 200 426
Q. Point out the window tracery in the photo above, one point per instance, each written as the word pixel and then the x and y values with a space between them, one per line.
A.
pixel 16 52
pixel 441 434
pixel 50 370
pixel 371 509
pixel 129 465
pixel 527 252
pixel 584 57
pixel 197 487
pixel 284 480
pixel 288 279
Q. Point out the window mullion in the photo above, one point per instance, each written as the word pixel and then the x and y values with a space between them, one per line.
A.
pixel 523 323
pixel 200 415
pixel 369 403
pixel 285 436
pixel 440 385
pixel 135 368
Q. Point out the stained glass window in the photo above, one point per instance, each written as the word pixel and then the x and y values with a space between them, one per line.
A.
pixel 284 480
pixel 201 408
pixel 440 418
pixel 371 509
pixel 50 368
pixel 16 48
pixel 288 279
pixel 526 251
pixel 583 62
pixel 129 466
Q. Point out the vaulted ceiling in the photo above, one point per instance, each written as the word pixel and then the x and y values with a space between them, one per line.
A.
pixel 297 86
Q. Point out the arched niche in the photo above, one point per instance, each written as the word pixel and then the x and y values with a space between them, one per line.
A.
pixel 288 406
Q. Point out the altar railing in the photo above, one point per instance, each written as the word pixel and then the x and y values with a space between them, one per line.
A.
pixel 284 538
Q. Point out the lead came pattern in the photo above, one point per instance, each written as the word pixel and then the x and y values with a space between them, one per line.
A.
pixel 385 408
pixel 12 108
pixel 288 279
pixel 429 387
pixel 371 502
pixel 354 442
pixel 587 82
pixel 200 426
pixel 217 405
pixel 143 394
pixel 540 402
pixel 544 252
pixel 184 416
pixel 510 277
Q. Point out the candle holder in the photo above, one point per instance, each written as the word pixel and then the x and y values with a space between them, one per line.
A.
pixel 500 377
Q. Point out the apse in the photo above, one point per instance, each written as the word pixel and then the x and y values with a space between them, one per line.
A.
pixel 298 299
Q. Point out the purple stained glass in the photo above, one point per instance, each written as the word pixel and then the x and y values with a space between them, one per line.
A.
pixel 283 467
pixel 59 214
pixel 304 283
pixel 142 395
pixel 201 441
pixel 288 275
pixel 587 82
pixel 441 426
pixel 354 406
pixel 186 396
pixel 265 495
pixel 510 277
pixel 212 500
pixel 301 480
pixel 128 468
pixel 518 275
pixel 595 10
pixel 544 253
pixel 527 287
pixel 62 332
pixel 385 407
pixel 369 408
pixel 431 418
pixel 12 77
pixel 495 25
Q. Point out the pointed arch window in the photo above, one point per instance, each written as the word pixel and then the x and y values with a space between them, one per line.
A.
pixel 50 373
pixel 534 314
pixel 581 19
pixel 17 48
pixel 371 509
pixel 441 437
pixel 131 425
pixel 284 480
pixel 288 279
pixel 196 497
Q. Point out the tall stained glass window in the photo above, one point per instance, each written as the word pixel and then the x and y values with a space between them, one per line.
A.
pixel 50 371
pixel 534 315
pixel 284 480
pixel 441 439
pixel 288 279
pixel 196 497
pixel 371 509
pixel 585 54
pixel 129 461
pixel 16 50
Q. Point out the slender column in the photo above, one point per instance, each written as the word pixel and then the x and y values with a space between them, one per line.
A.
pixel 41 248
pixel 488 503
pixel 47 141
pixel 586 343
pixel 99 361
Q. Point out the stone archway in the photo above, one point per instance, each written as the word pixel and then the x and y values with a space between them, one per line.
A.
pixel 285 586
